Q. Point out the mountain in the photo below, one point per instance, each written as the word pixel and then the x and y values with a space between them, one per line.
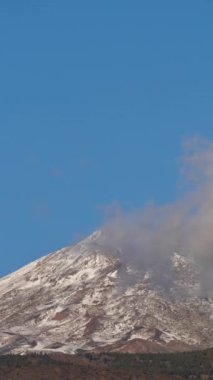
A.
pixel 85 297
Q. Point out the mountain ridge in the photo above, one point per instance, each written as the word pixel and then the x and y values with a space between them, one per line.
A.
pixel 85 298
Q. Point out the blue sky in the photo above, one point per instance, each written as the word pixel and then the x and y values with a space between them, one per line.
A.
pixel 95 100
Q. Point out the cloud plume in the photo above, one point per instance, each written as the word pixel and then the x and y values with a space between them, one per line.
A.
pixel 149 237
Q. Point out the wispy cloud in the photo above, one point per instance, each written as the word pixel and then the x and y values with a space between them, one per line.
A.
pixel 148 237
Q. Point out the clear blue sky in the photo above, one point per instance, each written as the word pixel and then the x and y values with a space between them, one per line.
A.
pixel 95 99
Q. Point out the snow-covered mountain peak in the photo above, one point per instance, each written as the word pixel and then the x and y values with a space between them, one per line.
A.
pixel 94 237
pixel 85 297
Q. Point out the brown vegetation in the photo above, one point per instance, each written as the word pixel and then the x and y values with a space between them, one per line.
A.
pixel 90 366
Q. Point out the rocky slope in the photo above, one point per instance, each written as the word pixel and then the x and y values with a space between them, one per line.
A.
pixel 84 297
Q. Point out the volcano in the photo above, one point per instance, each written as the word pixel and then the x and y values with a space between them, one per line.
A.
pixel 85 298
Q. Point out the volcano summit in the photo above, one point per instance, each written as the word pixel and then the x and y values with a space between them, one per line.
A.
pixel 85 298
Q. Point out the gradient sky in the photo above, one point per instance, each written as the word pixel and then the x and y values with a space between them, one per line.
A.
pixel 95 100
